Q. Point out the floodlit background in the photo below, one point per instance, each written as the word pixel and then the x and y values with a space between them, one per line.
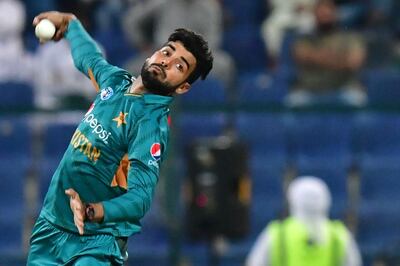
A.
pixel 294 91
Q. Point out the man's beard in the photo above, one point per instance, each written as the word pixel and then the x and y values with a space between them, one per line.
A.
pixel 153 84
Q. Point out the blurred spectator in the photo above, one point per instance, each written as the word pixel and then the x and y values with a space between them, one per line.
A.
pixel 379 32
pixel 58 84
pixel 16 62
pixel 148 23
pixel 286 15
pixel 328 62
pixel 307 237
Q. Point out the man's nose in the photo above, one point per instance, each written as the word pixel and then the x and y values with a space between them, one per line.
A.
pixel 164 63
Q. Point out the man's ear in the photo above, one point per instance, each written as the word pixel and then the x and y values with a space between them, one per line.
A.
pixel 183 88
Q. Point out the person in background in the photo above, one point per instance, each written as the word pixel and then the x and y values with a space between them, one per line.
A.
pixel 16 62
pixel 286 15
pixel 328 62
pixel 57 83
pixel 148 23
pixel 307 237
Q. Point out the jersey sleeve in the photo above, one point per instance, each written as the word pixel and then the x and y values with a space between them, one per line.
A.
pixel 144 153
pixel 88 57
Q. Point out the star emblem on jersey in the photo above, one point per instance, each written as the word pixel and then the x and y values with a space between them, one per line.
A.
pixel 120 119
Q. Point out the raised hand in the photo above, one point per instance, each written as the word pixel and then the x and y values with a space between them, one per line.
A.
pixel 59 19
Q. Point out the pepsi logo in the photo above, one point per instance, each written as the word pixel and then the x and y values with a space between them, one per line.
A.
pixel 155 151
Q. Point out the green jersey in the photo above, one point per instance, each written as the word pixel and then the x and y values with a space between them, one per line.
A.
pixel 118 125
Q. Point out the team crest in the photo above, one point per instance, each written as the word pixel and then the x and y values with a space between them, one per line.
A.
pixel 155 151
pixel 106 93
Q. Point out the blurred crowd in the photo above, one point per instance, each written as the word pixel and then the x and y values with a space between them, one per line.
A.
pixel 325 43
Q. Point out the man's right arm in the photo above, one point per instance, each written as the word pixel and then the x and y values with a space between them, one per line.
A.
pixel 86 54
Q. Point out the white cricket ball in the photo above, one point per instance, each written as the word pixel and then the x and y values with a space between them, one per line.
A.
pixel 45 30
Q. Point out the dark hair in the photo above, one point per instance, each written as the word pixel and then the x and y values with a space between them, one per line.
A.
pixel 198 46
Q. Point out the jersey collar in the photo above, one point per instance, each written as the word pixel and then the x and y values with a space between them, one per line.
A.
pixel 157 99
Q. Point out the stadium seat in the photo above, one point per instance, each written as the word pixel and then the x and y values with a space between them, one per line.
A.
pixel 376 138
pixel 205 93
pixel 380 182
pixel 117 48
pixel 13 172
pixel 152 242
pixel 244 43
pixel 325 138
pixel 382 86
pixel 15 137
pixel 257 89
pixel 242 12
pixel 264 133
pixel 56 138
pixel 378 227
pixel 16 96
pixel 192 126
pixel 15 164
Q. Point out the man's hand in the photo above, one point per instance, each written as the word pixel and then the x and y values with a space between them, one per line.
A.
pixel 78 209
pixel 60 20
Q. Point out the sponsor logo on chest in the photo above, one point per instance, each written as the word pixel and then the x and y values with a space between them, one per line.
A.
pixel 97 127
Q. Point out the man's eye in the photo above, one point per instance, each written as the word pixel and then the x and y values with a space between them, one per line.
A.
pixel 165 52
pixel 179 67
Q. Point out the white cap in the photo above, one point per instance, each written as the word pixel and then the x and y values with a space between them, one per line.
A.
pixel 309 197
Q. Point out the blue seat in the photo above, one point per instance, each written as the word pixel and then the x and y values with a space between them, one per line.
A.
pixel 326 138
pixel 56 138
pixel 117 48
pixel 192 126
pixel 15 164
pixel 244 43
pixel 210 91
pixel 16 96
pixel 266 138
pixel 242 12
pixel 15 137
pixel 13 173
pixel 152 242
pixel 260 88
pixel 376 138
pixel 264 133
pixel 380 182
pixel 378 228
pixel 383 86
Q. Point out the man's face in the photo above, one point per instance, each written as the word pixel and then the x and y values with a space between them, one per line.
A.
pixel 168 68
pixel 325 14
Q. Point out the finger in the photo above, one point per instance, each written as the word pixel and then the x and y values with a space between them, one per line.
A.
pixel 59 35
pixel 60 32
pixel 70 192
pixel 80 230
pixel 80 225
pixel 39 17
